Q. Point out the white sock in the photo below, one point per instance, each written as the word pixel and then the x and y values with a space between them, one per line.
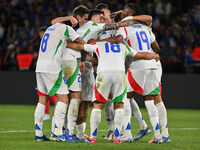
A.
pixel 53 125
pixel 72 115
pixel 163 118
pixel 39 116
pixel 154 119
pixel 65 122
pixel 127 119
pixel 118 119
pixel 95 120
pixel 59 117
pixel 109 114
pixel 137 114
pixel 81 130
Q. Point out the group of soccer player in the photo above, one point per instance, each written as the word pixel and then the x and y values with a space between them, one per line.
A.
pixel 127 63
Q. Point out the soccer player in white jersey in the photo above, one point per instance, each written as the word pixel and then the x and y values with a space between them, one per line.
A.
pixel 157 98
pixel 142 76
pixel 109 112
pixel 70 63
pixel 110 79
pixel 49 76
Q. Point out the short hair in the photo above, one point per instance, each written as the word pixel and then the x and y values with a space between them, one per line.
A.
pixel 80 10
pixel 94 12
pixel 135 8
pixel 118 16
pixel 42 28
pixel 101 6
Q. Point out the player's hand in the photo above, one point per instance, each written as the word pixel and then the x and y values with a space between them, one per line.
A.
pixel 81 66
pixel 73 20
pixel 157 57
pixel 91 41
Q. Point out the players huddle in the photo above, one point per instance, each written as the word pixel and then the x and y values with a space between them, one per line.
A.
pixel 127 64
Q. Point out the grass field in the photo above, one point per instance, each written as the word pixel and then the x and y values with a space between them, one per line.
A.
pixel 17 132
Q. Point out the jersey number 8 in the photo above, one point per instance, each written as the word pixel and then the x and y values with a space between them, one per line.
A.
pixel 113 47
pixel 44 42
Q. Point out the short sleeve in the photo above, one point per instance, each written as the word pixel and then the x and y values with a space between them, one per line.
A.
pixel 90 47
pixel 70 33
pixel 152 36
pixel 122 31
pixel 100 26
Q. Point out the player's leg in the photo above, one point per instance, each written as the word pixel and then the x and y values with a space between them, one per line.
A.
pixel 118 90
pixel 95 120
pixel 151 88
pixel 75 99
pixel 101 89
pixel 109 114
pixel 162 118
pixel 135 84
pixel 126 135
pixel 40 109
pixel 81 120
pixel 47 115
pixel 72 74
pixel 87 96
pixel 161 107
pixel 58 88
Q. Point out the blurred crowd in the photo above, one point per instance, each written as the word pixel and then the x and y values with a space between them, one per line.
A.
pixel 176 24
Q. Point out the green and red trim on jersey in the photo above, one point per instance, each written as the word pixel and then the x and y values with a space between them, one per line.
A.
pixel 74 75
pixel 98 95
pixel 129 42
pixel 160 88
pixel 120 97
pixel 155 91
pixel 136 87
pixel 57 85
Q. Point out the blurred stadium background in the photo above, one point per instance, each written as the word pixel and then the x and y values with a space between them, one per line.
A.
pixel 176 24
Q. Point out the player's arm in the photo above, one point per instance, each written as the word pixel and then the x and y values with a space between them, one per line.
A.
pixel 75 46
pixel 83 53
pixel 81 46
pixel 115 39
pixel 92 59
pixel 147 56
pixel 144 18
pixel 155 46
pixel 63 19
pixel 113 26
pixel 141 55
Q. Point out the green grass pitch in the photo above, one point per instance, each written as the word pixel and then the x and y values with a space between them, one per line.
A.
pixel 17 132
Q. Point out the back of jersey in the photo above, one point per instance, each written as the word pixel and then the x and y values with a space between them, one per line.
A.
pixel 52 46
pixel 139 37
pixel 90 30
pixel 111 57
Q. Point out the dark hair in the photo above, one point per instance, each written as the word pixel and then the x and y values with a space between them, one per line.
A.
pixel 137 10
pixel 101 6
pixel 94 12
pixel 118 16
pixel 42 29
pixel 81 10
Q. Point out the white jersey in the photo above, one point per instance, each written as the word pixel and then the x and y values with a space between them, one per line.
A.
pixel 51 47
pixel 107 34
pixel 111 56
pixel 139 37
pixel 90 30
